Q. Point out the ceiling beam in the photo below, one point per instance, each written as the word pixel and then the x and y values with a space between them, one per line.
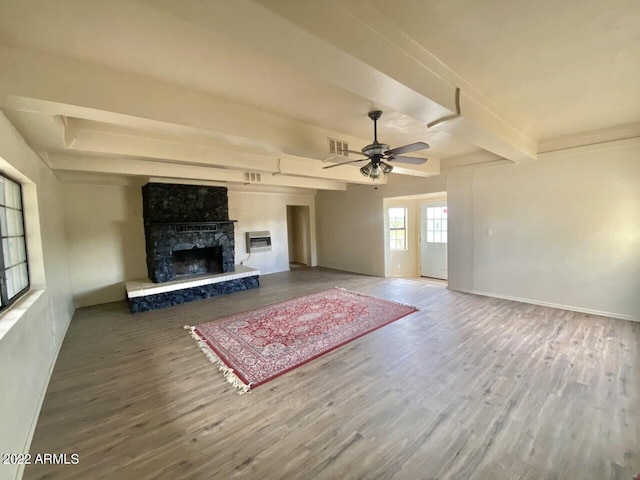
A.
pixel 357 29
pixel 147 168
pixel 92 137
pixel 387 69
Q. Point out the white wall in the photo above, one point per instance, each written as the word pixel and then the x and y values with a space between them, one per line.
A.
pixel 351 223
pixel 268 211
pixel 350 230
pixel 105 234
pixel 566 230
pixel 32 330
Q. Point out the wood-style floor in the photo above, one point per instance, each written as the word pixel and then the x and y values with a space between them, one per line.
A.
pixel 468 388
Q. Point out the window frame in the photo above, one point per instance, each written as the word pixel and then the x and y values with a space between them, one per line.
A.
pixel 395 229
pixel 4 293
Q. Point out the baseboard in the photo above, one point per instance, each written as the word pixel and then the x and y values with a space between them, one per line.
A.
pixel 342 269
pixel 571 308
pixel 43 393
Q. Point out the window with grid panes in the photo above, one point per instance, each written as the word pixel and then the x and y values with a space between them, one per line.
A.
pixel 398 228
pixel 437 224
pixel 14 272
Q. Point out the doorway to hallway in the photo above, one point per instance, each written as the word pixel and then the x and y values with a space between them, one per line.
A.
pixel 299 236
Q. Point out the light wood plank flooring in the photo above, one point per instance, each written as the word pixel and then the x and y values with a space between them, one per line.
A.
pixel 468 388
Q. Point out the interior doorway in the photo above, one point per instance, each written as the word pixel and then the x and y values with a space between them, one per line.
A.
pixel 433 240
pixel 299 235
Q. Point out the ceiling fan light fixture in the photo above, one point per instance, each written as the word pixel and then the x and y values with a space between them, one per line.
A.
pixel 376 171
pixel 366 170
pixel 386 168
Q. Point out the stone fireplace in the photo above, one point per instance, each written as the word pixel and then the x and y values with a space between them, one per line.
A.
pixel 190 248
pixel 188 231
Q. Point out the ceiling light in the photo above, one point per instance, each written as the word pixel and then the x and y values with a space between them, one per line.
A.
pixel 386 168
pixel 367 169
pixel 374 171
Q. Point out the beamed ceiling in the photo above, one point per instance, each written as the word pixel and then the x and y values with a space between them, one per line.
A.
pixel 202 91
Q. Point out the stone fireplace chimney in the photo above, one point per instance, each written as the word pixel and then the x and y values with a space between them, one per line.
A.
pixel 187 231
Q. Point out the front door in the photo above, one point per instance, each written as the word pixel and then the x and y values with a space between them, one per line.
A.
pixel 433 240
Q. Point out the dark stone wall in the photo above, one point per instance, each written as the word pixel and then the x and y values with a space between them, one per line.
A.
pixel 167 203
pixel 162 240
pixel 168 299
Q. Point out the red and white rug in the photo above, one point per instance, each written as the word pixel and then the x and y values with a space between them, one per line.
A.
pixel 251 348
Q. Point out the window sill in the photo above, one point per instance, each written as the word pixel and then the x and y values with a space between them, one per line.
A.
pixel 15 312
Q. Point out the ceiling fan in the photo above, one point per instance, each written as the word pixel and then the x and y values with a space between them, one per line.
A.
pixel 377 152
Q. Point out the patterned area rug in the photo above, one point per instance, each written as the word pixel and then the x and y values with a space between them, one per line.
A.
pixel 253 347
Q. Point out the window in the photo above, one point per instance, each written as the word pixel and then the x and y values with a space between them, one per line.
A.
pixel 437 224
pixel 14 274
pixel 398 228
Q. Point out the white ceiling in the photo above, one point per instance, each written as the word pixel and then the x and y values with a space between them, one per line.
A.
pixel 264 83
pixel 553 68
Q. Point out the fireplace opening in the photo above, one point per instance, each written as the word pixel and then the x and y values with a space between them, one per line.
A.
pixel 197 261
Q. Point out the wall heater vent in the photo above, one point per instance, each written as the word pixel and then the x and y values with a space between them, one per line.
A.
pixel 258 242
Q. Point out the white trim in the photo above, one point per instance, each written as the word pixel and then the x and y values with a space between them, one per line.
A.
pixel 594 137
pixel 490 163
pixel 594 147
pixel 549 304
pixel 145 287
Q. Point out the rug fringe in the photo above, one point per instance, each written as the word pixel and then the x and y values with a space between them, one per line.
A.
pixel 372 296
pixel 228 373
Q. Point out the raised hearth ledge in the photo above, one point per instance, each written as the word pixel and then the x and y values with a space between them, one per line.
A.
pixel 145 287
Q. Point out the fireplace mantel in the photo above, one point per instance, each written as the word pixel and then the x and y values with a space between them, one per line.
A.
pixel 191 223
pixel 189 227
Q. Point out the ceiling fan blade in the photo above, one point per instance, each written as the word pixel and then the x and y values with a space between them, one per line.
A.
pixel 351 151
pixel 345 163
pixel 412 147
pixel 411 160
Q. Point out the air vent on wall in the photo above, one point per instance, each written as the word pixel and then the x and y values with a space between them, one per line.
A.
pixel 338 147
pixel 252 177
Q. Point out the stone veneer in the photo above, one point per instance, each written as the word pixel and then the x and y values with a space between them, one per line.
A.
pixel 162 240
pixel 177 297
pixel 171 203
pixel 173 216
